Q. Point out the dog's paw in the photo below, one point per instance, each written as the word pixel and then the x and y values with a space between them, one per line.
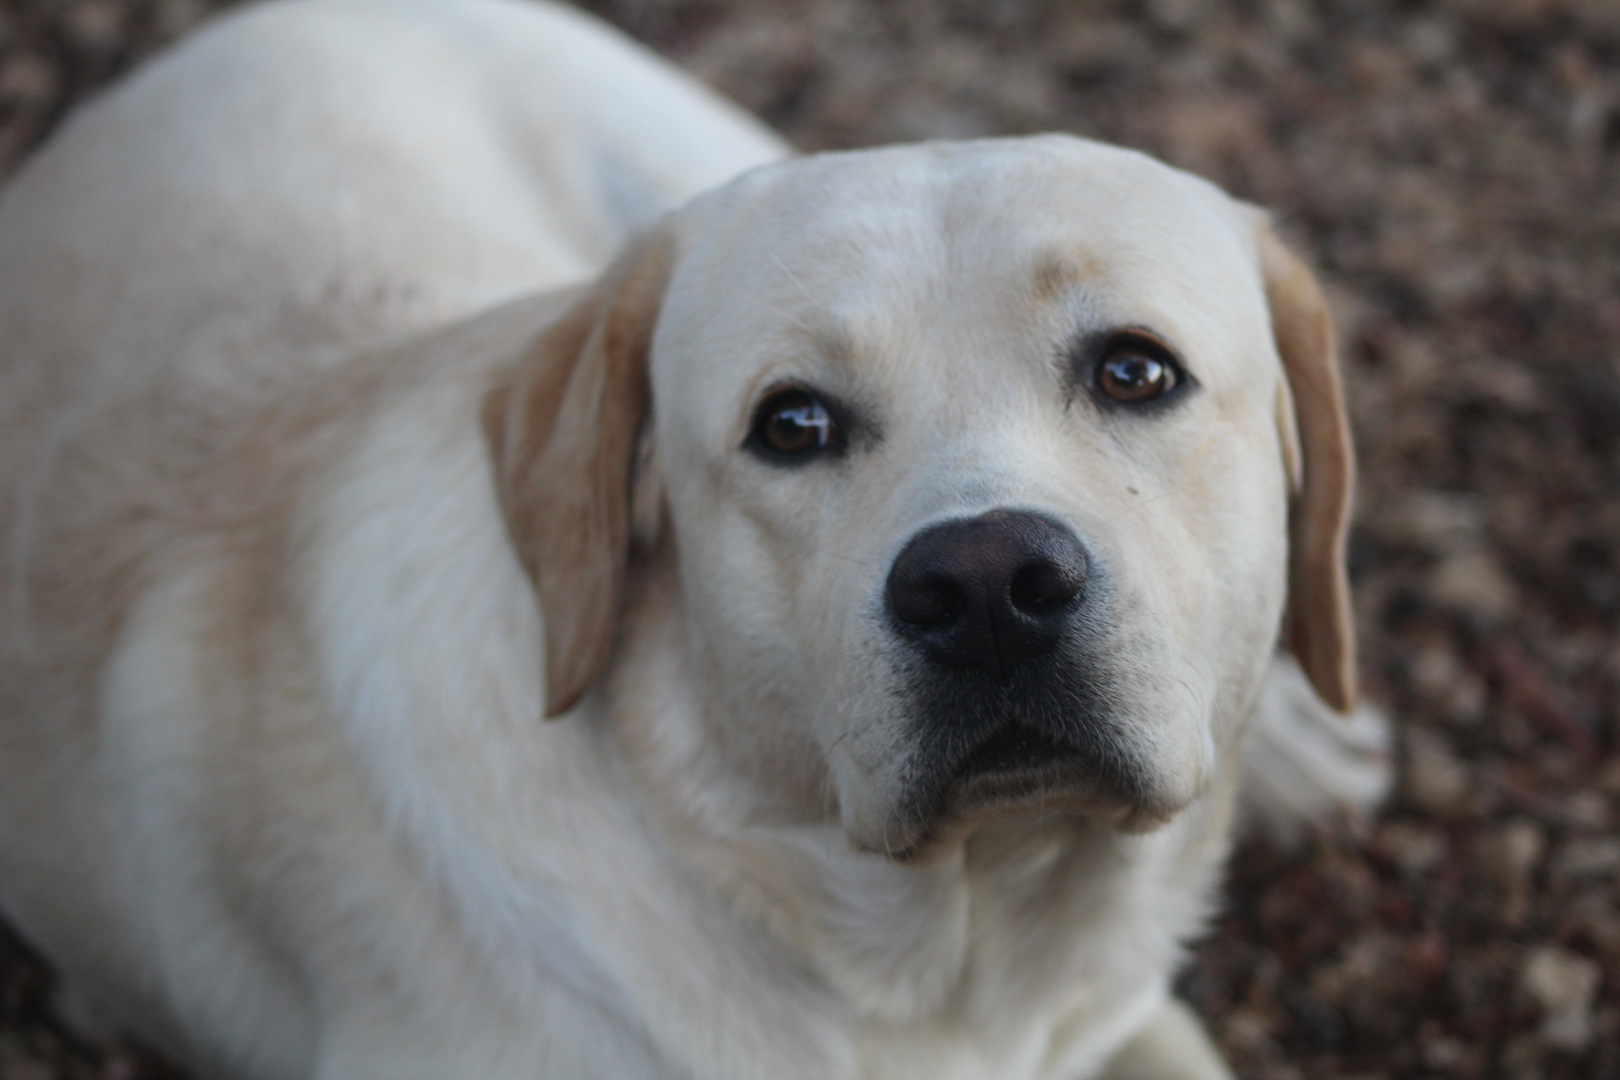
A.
pixel 1305 765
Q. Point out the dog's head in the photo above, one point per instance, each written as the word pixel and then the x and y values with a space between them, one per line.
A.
pixel 988 470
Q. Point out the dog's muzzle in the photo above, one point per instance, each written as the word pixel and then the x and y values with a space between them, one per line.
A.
pixel 1012 694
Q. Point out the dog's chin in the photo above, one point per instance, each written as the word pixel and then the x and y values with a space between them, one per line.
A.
pixel 1019 774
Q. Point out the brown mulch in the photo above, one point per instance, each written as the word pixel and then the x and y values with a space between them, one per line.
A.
pixel 1454 170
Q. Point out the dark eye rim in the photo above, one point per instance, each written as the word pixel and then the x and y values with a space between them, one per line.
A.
pixel 755 441
pixel 1090 357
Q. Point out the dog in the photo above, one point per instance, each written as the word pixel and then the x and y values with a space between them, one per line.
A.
pixel 511 573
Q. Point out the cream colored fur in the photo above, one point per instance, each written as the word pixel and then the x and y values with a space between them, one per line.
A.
pixel 284 320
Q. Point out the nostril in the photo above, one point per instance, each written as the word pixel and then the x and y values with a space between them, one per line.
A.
pixel 927 601
pixel 1041 588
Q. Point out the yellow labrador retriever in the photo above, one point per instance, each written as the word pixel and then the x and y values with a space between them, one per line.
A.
pixel 897 539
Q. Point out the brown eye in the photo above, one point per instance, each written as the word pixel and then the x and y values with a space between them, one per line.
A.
pixel 1132 374
pixel 793 424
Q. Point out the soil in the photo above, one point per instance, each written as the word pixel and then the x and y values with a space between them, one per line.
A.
pixel 1453 169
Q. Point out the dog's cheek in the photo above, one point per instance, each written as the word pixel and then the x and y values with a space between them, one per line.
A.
pixel 1200 582
pixel 1236 588
pixel 745 618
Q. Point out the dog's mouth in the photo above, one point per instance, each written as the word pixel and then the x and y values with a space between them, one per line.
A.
pixel 1022 766
pixel 1064 736
pixel 1015 761
pixel 1018 770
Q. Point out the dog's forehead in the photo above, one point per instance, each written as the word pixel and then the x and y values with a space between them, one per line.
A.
pixel 1065 209
pixel 902 249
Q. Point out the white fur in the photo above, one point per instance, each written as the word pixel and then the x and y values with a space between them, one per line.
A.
pixel 274 790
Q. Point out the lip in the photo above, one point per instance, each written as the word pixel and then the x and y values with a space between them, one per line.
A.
pixel 1013 759
pixel 1014 748
pixel 1018 771
pixel 1062 737
pixel 1019 766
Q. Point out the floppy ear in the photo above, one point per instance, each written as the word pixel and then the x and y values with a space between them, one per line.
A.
pixel 1320 632
pixel 562 430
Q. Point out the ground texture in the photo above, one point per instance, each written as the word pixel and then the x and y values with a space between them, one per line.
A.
pixel 1454 170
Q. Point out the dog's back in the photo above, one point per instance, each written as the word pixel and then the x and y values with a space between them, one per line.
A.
pixel 185 271
pixel 297 184
pixel 313 177
pixel 340 172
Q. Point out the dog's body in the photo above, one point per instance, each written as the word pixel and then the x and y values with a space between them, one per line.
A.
pixel 275 791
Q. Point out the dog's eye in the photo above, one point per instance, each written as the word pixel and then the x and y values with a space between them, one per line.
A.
pixel 1135 371
pixel 793 424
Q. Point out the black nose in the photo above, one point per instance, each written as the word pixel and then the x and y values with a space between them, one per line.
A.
pixel 988 592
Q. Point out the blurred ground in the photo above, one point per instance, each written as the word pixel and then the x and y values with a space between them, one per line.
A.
pixel 1454 170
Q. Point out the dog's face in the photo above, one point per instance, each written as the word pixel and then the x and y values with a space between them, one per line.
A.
pixel 977 460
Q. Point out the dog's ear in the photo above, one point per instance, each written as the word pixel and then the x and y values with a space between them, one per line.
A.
pixel 1320 631
pixel 562 431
